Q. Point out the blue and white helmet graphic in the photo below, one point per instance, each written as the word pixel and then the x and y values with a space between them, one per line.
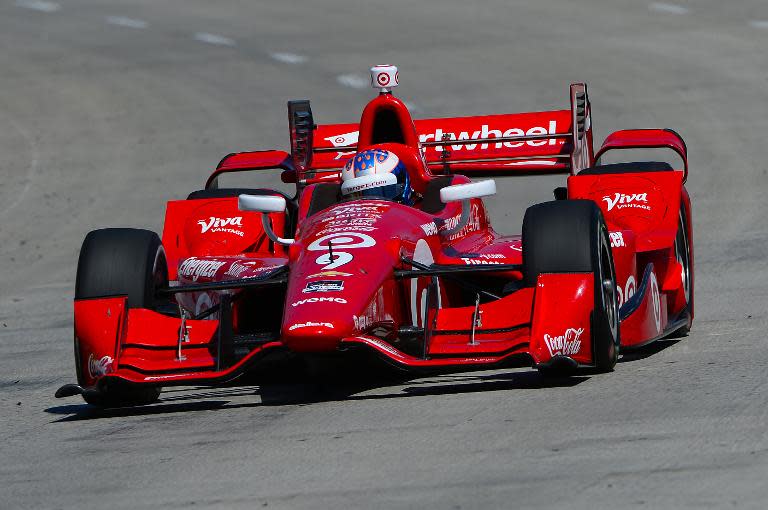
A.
pixel 376 173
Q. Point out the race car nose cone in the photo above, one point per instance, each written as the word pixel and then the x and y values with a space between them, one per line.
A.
pixel 384 77
pixel 315 335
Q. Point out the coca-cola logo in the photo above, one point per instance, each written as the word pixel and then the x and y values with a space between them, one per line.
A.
pixel 567 344
pixel 99 367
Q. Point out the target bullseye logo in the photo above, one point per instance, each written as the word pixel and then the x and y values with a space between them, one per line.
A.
pixel 384 77
pixel 336 244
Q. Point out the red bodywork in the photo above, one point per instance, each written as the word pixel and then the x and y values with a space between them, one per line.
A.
pixel 358 296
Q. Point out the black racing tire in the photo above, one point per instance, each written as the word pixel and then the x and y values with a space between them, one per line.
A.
pixel 114 262
pixel 683 256
pixel 570 236
pixel 122 261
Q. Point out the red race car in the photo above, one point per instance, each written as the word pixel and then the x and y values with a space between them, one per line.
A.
pixel 387 246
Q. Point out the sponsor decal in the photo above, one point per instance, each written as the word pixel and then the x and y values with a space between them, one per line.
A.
pixel 473 224
pixel 264 269
pixel 345 228
pixel 194 268
pixel 362 322
pixel 311 325
pixel 360 217
pixel 630 287
pixel 326 274
pixel 324 286
pixel 214 224
pixel 368 185
pixel 341 241
pixel 236 269
pixel 623 201
pixel 338 218
pixel 357 210
pixel 338 300
pixel 383 79
pixel 99 367
pixel 617 239
pixel 479 262
pixel 344 140
pixel 430 228
pixel 566 344
pixel 450 223
pixel 485 132
pixel 365 222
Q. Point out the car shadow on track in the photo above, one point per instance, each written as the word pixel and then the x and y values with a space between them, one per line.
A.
pixel 647 350
pixel 361 388
pixel 338 385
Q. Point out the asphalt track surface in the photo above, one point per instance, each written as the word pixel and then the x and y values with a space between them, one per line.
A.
pixel 109 109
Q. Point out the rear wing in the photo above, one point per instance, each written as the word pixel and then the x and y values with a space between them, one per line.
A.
pixel 489 145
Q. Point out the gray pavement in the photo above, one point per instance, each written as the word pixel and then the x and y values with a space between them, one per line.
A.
pixel 107 109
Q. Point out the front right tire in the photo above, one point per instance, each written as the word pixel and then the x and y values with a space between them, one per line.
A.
pixel 570 236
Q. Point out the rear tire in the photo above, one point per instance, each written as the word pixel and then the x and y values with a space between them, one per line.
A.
pixel 121 261
pixel 570 236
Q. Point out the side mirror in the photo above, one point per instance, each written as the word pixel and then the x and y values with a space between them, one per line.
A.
pixel 265 204
pixel 463 193
pixel 460 192
pixel 261 203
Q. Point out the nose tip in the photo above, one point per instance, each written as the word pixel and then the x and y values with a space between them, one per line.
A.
pixel 314 335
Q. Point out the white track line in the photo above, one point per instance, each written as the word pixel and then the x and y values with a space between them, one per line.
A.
pixel 288 58
pixel 38 5
pixel 122 21
pixel 668 8
pixel 354 81
pixel 759 24
pixel 214 39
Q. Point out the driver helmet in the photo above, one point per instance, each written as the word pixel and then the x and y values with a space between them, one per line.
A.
pixel 376 173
